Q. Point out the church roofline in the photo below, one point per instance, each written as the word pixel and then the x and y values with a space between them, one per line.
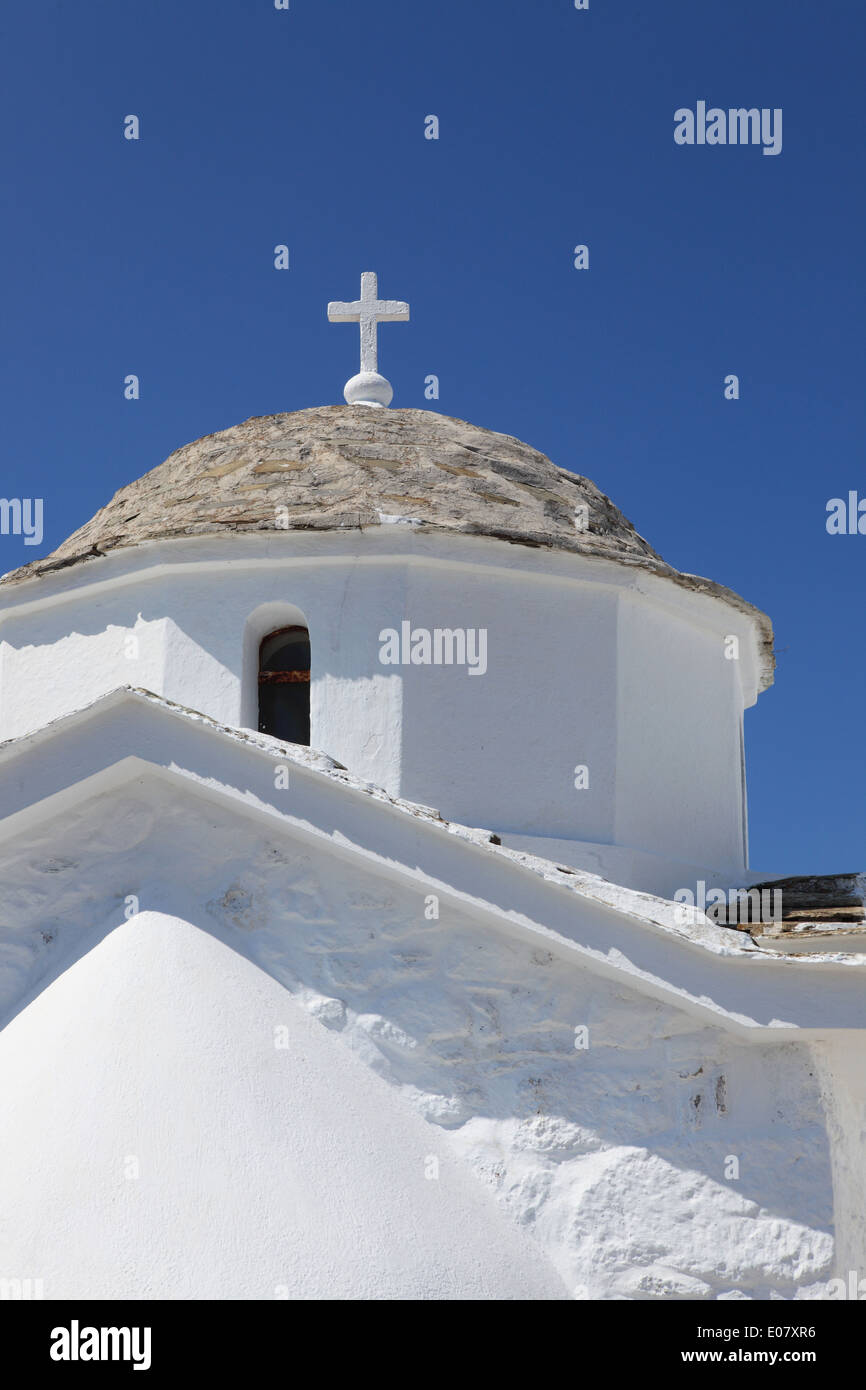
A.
pixel 30 588
pixel 704 969
pixel 350 468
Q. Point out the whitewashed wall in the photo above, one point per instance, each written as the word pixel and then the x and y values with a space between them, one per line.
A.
pixel 447 1039
pixel 588 663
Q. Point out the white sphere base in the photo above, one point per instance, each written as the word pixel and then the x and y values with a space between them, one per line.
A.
pixel 368 388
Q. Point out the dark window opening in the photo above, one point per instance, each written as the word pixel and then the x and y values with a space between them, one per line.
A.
pixel 284 685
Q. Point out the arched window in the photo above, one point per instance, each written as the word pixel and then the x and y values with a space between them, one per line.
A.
pixel 284 684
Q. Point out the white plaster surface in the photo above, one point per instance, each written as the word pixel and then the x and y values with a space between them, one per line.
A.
pixel 452 1037
pixel 589 663
pixel 166 1148
pixel 292 1023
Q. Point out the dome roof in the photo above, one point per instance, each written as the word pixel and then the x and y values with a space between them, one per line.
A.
pixel 341 467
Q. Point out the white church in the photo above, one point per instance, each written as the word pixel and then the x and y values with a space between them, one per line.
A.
pixel 365 780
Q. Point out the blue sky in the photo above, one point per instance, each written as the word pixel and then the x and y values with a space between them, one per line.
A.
pixel 306 127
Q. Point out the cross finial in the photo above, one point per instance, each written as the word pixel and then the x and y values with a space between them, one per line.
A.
pixel 368 387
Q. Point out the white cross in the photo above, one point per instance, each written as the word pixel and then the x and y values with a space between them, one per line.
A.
pixel 369 311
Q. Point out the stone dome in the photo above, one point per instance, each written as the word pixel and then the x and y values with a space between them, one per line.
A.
pixel 338 467
pixel 345 467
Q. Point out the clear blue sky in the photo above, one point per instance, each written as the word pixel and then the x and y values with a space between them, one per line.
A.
pixel 306 127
